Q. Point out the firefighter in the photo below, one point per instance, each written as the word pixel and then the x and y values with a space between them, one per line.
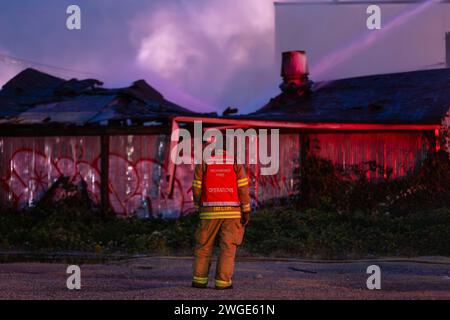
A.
pixel 221 196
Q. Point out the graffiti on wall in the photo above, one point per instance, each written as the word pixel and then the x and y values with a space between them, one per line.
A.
pixel 27 172
pixel 137 173
pixel 138 168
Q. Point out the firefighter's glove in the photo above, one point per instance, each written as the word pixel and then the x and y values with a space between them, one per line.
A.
pixel 245 219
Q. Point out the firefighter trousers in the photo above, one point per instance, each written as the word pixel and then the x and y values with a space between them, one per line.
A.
pixel 231 234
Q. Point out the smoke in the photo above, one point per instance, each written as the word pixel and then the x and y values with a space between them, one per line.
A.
pixel 7 71
pixel 334 58
pixel 221 50
pixel 201 54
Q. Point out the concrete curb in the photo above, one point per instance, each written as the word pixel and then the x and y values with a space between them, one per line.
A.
pixel 424 260
pixel 95 258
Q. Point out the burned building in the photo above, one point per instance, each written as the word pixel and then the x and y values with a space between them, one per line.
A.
pixel 380 126
pixel 118 140
pixel 383 124
pixel 112 139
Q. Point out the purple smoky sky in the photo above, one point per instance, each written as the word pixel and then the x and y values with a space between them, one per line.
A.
pixel 203 54
pixel 207 55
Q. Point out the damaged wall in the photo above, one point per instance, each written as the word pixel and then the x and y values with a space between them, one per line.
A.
pixel 137 172
pixel 377 155
pixel 30 165
pixel 138 167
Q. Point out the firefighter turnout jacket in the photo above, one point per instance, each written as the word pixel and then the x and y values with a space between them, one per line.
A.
pixel 220 190
pixel 221 193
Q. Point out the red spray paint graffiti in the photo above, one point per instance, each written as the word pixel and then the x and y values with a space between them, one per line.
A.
pixel 31 171
pixel 138 172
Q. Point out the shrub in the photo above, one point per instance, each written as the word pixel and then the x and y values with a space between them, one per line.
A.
pixel 274 232
pixel 335 217
pixel 312 233
pixel 325 187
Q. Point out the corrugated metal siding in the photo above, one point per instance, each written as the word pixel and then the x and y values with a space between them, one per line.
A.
pixel 138 167
pixel 137 177
pixel 378 155
pixel 137 172
pixel 79 110
pixel 265 189
pixel 29 166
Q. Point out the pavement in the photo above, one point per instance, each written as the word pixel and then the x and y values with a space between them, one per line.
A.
pixel 170 278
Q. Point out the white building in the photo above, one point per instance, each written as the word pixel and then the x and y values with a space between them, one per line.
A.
pixel 414 35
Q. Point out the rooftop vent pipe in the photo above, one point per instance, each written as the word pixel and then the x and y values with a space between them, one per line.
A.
pixel 294 71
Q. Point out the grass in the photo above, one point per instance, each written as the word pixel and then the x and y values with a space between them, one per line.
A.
pixel 337 217
pixel 314 233
pixel 272 232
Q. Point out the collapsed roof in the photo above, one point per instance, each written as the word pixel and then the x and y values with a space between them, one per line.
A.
pixel 34 97
pixel 418 97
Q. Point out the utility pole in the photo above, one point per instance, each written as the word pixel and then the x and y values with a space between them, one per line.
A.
pixel 447 49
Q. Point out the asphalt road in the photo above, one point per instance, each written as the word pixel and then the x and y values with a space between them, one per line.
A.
pixel 169 278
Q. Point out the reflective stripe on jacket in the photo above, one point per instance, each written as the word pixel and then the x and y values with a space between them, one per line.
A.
pixel 225 208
